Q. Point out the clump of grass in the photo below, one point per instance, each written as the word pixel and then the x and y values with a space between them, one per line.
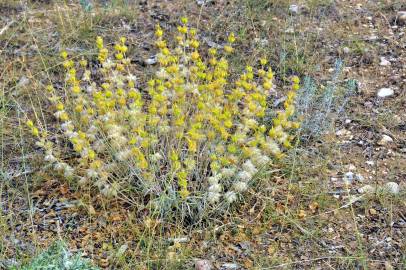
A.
pixel 188 139
pixel 320 107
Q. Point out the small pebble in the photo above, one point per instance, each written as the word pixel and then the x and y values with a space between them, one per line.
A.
pixel 372 38
pixel 230 266
pixel 346 50
pixel 348 178
pixel 384 62
pixel 366 189
pixel 203 2
pixel 385 92
pixel 151 61
pixel 343 132
pixel 294 9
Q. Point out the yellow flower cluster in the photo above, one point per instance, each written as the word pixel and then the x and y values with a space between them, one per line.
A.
pixel 189 130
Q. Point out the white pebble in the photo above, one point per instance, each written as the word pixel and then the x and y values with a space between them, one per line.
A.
pixel 348 178
pixel 385 92
pixel 151 61
pixel 384 62
pixel 294 9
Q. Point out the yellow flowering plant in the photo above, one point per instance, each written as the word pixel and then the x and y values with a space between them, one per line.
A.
pixel 189 134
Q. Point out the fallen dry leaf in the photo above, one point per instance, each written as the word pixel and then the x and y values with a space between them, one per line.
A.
pixel 302 214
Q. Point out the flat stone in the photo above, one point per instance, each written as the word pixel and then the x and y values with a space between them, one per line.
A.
pixel 230 266
pixel 385 92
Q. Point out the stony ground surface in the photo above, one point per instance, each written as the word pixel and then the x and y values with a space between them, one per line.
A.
pixel 333 210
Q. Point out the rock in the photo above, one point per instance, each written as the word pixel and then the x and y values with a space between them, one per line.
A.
pixel 346 50
pixel 294 9
pixel 385 140
pixel 401 18
pixel 334 179
pixel 204 2
pixel 203 265
pixel 384 62
pixel 370 162
pixel 151 61
pixel 385 92
pixel 179 240
pixel 348 178
pixel 372 38
pixel 230 266
pixel 392 187
pixel 366 189
pixel 343 132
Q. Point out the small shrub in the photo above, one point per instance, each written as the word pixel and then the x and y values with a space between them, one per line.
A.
pixel 319 108
pixel 187 137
